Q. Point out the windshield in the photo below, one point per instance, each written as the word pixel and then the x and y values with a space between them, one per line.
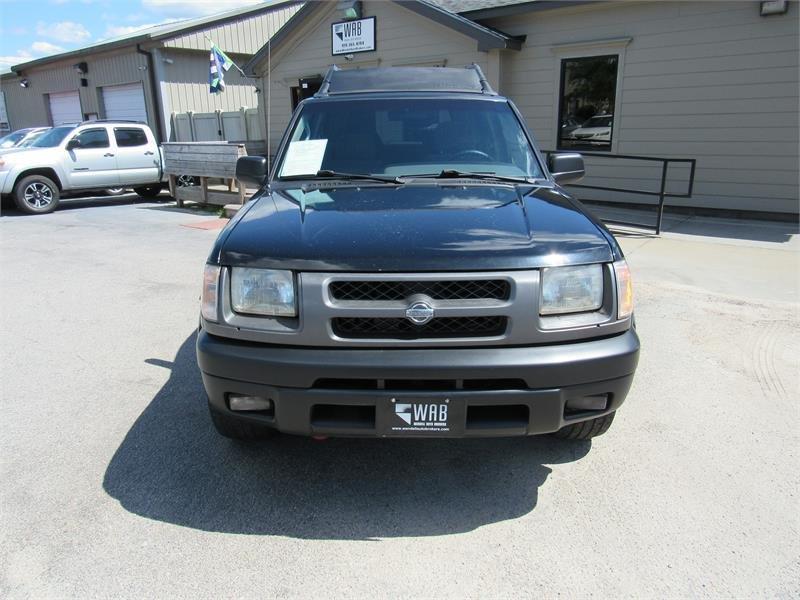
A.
pixel 52 138
pixel 11 139
pixel 409 137
pixel 603 121
pixel 32 138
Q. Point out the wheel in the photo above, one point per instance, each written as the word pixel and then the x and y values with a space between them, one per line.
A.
pixel 586 430
pixel 186 181
pixel 238 429
pixel 115 191
pixel 36 195
pixel 149 191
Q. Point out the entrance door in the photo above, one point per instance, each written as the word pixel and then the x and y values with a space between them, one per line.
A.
pixel 308 86
pixel 65 107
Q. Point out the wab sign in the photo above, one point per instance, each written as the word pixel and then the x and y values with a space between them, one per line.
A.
pixel 349 37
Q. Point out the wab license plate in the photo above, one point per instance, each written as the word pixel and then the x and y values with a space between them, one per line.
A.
pixel 408 416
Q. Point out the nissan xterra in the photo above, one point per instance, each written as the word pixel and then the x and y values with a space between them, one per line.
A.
pixel 411 266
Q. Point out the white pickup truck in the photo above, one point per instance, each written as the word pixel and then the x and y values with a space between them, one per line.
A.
pixel 95 155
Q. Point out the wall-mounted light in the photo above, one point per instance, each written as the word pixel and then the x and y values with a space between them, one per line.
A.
pixel 24 83
pixel 774 7
pixel 168 61
pixel 351 9
pixel 82 68
pixel 142 67
pixel 349 57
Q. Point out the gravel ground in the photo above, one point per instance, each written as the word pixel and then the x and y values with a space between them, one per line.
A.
pixel 115 484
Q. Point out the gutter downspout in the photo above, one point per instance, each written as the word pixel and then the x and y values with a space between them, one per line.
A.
pixel 154 91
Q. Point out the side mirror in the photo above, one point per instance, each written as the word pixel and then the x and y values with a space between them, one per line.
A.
pixel 251 169
pixel 73 143
pixel 566 168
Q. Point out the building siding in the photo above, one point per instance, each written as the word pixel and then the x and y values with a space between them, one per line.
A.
pixel 245 36
pixel 711 81
pixel 401 38
pixel 28 107
pixel 185 84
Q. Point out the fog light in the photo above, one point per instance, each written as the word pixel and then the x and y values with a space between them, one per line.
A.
pixel 598 402
pixel 238 402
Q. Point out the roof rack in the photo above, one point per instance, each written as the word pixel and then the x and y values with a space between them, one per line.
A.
pixel 111 121
pixel 470 79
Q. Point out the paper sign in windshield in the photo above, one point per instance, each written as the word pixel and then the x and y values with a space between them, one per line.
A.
pixel 304 158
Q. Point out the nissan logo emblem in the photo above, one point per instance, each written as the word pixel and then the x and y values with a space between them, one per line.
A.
pixel 419 313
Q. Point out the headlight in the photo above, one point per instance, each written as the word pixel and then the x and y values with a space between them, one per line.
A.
pixel 571 289
pixel 263 292
pixel 624 289
pixel 208 304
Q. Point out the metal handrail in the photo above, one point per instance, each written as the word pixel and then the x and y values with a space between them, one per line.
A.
pixel 662 193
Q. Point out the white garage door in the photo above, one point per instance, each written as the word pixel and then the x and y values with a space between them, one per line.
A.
pixel 65 107
pixel 125 102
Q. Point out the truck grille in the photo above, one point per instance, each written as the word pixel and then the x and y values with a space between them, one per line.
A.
pixel 495 289
pixel 398 328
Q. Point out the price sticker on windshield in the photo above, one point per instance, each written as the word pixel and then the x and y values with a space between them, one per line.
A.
pixel 304 158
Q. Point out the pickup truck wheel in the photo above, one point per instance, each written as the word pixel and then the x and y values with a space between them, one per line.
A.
pixel 237 429
pixel 149 191
pixel 115 191
pixel 36 195
pixel 586 430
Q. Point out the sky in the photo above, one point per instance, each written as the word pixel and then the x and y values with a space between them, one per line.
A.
pixel 34 28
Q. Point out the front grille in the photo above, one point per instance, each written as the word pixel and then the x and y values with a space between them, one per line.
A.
pixel 496 289
pixel 399 328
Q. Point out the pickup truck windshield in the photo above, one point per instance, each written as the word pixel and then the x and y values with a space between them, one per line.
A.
pixel 402 137
pixel 52 138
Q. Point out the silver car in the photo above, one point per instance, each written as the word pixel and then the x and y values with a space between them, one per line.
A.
pixel 22 138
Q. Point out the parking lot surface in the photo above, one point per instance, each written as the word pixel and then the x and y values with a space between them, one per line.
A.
pixel 115 484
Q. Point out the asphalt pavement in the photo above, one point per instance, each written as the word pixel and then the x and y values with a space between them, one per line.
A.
pixel 115 484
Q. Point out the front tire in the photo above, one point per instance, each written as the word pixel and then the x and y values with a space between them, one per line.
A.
pixel 118 191
pixel 36 195
pixel 149 191
pixel 238 429
pixel 586 430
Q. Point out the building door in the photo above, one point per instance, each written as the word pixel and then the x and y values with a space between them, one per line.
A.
pixel 308 86
pixel 125 102
pixel 65 107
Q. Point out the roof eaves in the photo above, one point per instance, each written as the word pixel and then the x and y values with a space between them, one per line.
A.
pixel 159 33
pixel 220 19
pixel 487 38
pixel 295 21
pixel 507 9
pixel 103 47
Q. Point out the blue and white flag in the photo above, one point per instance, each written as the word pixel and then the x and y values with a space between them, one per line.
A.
pixel 219 64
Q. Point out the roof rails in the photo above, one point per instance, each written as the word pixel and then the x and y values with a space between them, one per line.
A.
pixel 111 121
pixel 404 79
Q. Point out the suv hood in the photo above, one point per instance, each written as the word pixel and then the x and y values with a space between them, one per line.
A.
pixel 414 227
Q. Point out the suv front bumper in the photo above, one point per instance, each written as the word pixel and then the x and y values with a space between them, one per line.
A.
pixel 492 391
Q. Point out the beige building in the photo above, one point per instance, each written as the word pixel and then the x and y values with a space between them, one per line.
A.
pixel 146 76
pixel 712 81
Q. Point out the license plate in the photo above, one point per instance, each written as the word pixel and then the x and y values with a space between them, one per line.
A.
pixel 422 416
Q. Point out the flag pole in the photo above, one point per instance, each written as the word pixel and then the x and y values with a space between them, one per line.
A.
pixel 232 62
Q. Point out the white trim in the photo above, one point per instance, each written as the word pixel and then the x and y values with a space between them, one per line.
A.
pixel 587 49
pixel 581 47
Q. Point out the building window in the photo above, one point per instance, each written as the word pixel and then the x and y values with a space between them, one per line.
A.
pixel 586 102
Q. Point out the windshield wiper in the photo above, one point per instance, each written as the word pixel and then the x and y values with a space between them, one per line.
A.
pixel 357 176
pixel 455 174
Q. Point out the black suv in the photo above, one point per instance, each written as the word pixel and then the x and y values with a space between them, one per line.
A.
pixel 411 267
